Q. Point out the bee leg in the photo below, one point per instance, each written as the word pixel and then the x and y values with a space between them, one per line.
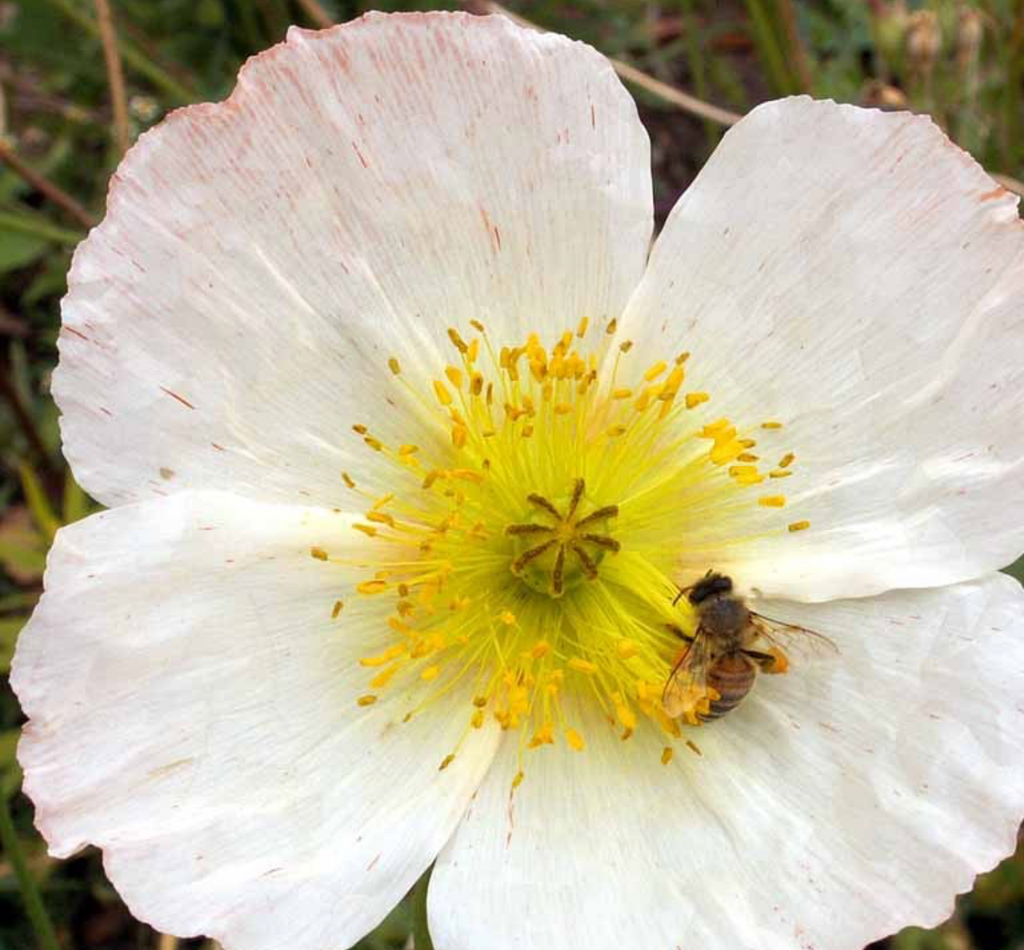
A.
pixel 672 628
pixel 774 662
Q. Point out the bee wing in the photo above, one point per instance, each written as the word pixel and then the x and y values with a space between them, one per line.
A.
pixel 793 637
pixel 690 674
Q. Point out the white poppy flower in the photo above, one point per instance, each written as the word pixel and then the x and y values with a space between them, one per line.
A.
pixel 295 664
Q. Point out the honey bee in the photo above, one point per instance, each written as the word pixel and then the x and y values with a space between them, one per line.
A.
pixel 718 668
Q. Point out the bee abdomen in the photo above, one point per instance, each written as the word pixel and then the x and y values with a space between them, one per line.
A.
pixel 732 678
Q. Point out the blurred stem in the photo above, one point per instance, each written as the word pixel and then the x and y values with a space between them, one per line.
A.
pixel 154 73
pixel 769 49
pixel 43 229
pixel 28 426
pixel 167 942
pixel 420 931
pixel 115 75
pixel 797 52
pixel 698 69
pixel 316 13
pixel 1012 95
pixel 631 74
pixel 45 936
pixel 44 186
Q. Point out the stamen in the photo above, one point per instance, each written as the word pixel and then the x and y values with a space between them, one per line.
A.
pixel 528 557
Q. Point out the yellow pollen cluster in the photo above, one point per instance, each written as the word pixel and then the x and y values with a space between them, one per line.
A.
pixel 532 535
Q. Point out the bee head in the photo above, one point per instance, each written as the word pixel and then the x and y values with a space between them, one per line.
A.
pixel 712 584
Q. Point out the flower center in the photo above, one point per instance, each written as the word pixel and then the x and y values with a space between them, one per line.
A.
pixel 526 546
pixel 554 557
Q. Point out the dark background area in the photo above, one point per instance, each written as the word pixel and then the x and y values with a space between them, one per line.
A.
pixel 67 111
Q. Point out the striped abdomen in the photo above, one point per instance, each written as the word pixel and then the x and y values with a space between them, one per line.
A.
pixel 731 676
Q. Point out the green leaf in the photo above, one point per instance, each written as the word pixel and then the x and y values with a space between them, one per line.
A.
pixel 19 249
pixel 76 502
pixel 420 931
pixel 9 630
pixel 42 511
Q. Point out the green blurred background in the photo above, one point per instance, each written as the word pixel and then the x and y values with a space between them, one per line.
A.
pixel 81 78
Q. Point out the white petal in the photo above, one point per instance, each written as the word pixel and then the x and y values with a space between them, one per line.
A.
pixel 193 713
pixel 837 804
pixel 363 189
pixel 856 276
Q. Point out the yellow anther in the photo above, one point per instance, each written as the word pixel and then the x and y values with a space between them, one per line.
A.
pixel 368 529
pixel 780 472
pixel 799 526
pixel 655 371
pixel 582 666
pixel 643 400
pixel 372 587
pixel 574 739
pixel 622 393
pixel 459 436
pixel 430 673
pixel 788 459
pixel 626 716
pixel 394 366
pixel 367 700
pixel 725 450
pixel 713 429
pixel 625 346
pixel 457 341
pixel 336 609
pixel 446 761
pixel 527 432
pixel 543 735
pixel 473 351
pixel 507 617
pixel 518 780
pixel 382 659
pixel 408 449
pixel 682 357
pixel 674 381
pixel 360 428
pixel 771 425
pixel 540 648
pixel 615 431
pixel 562 408
pixel 581 327
pixel 477 325
pixel 772 501
pixel 476 382
pixel 454 375
pixel 380 517
pixel 480 701
pixel 695 399
pixel 666 755
pixel 373 443
pixel 477 719
pixel 613 325
pixel 747 457
pixel 319 553
pixel 383 677
pixel 347 479
pixel 466 475
pixel 441 391
pixel 626 648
